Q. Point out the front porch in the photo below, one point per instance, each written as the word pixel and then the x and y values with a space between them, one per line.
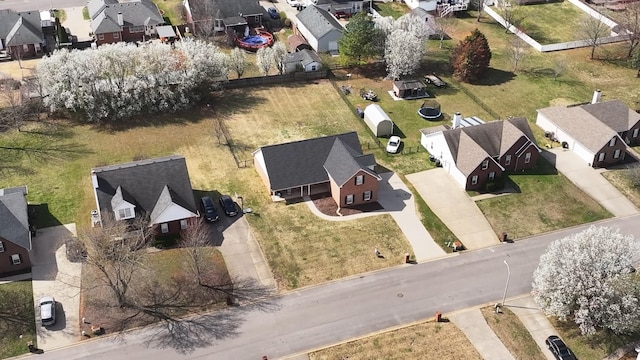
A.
pixel 295 194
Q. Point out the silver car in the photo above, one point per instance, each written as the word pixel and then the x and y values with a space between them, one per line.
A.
pixel 47 311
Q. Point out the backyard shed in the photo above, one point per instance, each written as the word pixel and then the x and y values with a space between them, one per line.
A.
pixel 410 89
pixel 378 121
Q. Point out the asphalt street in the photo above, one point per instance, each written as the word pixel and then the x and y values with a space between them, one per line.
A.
pixel 340 310
pixel 28 5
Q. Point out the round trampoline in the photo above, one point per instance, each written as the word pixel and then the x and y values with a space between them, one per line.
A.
pixel 430 111
pixel 254 42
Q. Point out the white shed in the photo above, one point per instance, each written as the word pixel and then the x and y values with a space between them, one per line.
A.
pixel 378 121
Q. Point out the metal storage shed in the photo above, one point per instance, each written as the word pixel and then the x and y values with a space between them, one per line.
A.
pixel 378 121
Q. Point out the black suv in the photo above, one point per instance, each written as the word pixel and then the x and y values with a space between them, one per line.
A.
pixel 228 205
pixel 209 209
pixel 559 348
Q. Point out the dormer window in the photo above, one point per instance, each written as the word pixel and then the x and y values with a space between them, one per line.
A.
pixel 125 213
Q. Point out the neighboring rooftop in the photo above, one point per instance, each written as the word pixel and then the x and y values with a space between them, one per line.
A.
pixel 14 216
pixel 20 28
pixel 318 21
pixel 104 14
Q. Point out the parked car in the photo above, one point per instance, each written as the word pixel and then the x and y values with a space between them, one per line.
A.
pixel 273 13
pixel 342 14
pixel 295 3
pixel 209 209
pixel 47 311
pixel 227 204
pixel 394 144
pixel 559 349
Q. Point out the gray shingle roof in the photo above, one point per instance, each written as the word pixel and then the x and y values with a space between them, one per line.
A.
pixel 134 13
pixel 230 8
pixel 318 21
pixel 301 163
pixel 19 28
pixel 14 217
pixel 342 163
pixel 304 57
pixel 581 125
pixel 615 114
pixel 408 84
pixel 150 183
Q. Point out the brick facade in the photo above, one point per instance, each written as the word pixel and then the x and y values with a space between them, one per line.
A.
pixel 340 194
pixel 611 154
pixel 483 175
pixel 7 268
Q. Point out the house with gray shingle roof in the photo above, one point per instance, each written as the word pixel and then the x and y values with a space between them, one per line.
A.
pixel 597 132
pixel 479 154
pixel 21 33
pixel 331 164
pixel 221 15
pixel 132 20
pixel 303 60
pixel 320 28
pixel 158 189
pixel 339 7
pixel 15 234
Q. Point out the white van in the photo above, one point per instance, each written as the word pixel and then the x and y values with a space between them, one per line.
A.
pixel 47 311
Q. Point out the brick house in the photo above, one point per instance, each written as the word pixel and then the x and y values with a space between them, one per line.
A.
pixel 222 15
pixel 113 21
pixel 476 153
pixel 157 188
pixel 332 164
pixel 15 235
pixel 21 33
pixel 598 132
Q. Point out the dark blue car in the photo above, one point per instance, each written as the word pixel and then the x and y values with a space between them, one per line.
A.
pixel 228 206
pixel 273 13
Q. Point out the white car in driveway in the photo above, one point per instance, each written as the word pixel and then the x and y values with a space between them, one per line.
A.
pixel 294 2
pixel 47 311
pixel 394 144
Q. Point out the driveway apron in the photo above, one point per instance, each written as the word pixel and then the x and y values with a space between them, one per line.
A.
pixel 475 327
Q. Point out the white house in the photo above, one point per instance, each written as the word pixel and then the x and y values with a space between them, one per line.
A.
pixel 303 60
pixel 320 28
pixel 429 5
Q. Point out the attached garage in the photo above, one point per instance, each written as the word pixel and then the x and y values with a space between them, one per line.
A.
pixel 320 29
pixel 378 121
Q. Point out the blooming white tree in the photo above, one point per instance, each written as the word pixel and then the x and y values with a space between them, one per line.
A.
pixel 264 59
pixel 238 61
pixel 279 51
pixel 115 82
pixel 404 43
pixel 586 277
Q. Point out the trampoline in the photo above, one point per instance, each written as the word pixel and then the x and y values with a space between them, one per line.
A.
pixel 254 42
pixel 430 111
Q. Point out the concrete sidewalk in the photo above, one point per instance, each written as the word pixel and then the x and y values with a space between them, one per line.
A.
pixel 475 327
pixel 454 207
pixel 590 181
pixel 533 320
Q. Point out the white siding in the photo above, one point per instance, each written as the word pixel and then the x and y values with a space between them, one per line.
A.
pixel 437 146
pixel 313 42
pixel 584 153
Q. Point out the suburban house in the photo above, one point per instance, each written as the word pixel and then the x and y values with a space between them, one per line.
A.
pixel 15 234
pixel 443 7
pixel 320 28
pixel 304 60
pixel 476 153
pixel 21 33
pixel 131 20
pixel 332 164
pixel 223 14
pixel 342 7
pixel 598 132
pixel 157 188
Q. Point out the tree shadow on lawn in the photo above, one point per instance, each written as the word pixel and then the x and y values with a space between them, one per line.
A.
pixel 536 33
pixel 493 76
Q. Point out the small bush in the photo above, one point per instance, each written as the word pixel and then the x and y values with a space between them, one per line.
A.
pixel 287 23
pixel 165 241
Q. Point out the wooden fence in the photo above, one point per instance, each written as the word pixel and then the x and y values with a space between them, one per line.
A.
pixel 275 79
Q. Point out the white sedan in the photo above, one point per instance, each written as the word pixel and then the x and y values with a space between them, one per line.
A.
pixel 293 2
pixel 394 144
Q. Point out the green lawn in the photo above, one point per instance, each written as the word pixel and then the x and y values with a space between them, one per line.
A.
pixel 171 10
pixel 85 13
pixel 551 23
pixel 393 9
pixel 512 333
pixel 17 303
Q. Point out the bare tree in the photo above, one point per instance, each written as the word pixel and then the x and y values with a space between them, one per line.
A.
pixel 630 23
pixel 559 66
pixel 512 14
pixel 13 110
pixel 517 50
pixel 592 30
pixel 633 174
pixel 204 13
pixel 479 4
pixel 442 25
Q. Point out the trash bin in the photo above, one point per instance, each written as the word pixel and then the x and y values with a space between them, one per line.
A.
pixel 503 237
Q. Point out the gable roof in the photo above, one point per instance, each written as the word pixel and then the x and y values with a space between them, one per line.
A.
pixel 19 28
pixel 342 163
pixel 231 8
pixel 304 56
pixel 14 217
pixel 474 154
pixel 302 162
pixel 581 125
pixel 151 185
pixel 615 114
pixel 408 84
pixel 319 22
pixel 104 14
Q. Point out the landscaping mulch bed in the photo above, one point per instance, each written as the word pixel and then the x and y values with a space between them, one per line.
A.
pixel 326 205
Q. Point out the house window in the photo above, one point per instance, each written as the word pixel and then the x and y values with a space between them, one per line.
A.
pixel 527 158
pixel 359 179
pixel 1 247
pixel 635 132
pixel 366 196
pixel 507 160
pixel 218 23
pixel 492 175
pixel 164 228
pixel 183 224
pixel 601 157
pixel 116 35
pixel 124 213
pixel 136 29
pixel 348 199
pixel 474 180
pixel 313 68
pixel 616 154
pixel 15 259
pixel 25 48
pixel 612 142
pixel 485 164
pixel 100 36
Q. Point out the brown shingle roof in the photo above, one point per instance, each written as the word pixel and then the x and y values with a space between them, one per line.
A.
pixel 614 114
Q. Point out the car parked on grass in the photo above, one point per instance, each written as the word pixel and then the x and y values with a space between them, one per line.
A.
pixel 47 311
pixel 273 13
pixel 227 204
pixel 394 144
pixel 209 209
pixel 559 349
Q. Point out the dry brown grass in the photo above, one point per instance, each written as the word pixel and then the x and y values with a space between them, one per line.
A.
pixel 426 341
pixel 621 181
pixel 513 334
pixel 13 68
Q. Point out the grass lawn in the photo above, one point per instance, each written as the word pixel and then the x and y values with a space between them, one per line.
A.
pixel 620 179
pixel 547 201
pixel 551 23
pixel 85 13
pixel 427 341
pixel 17 300
pixel 513 334
pixel 393 9
pixel 171 9
pixel 60 14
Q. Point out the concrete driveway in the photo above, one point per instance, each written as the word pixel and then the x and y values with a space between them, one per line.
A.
pixel 78 26
pixel 454 207
pixel 590 181
pixel 53 275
